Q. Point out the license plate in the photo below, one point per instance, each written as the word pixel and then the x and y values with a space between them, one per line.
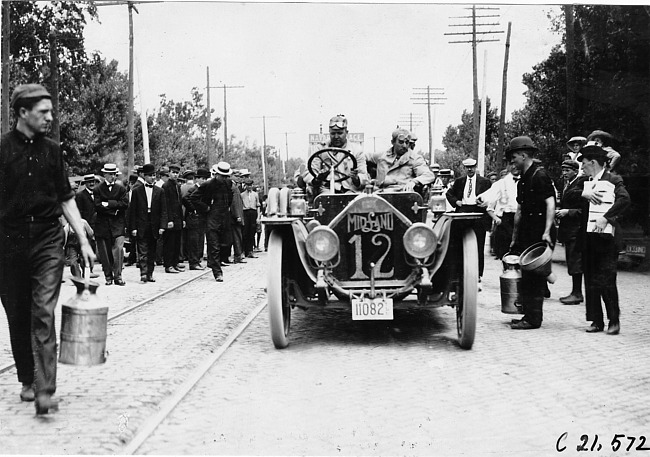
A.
pixel 635 249
pixel 372 309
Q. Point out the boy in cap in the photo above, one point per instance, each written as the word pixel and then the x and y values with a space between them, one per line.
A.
pixel 570 216
pixel 534 222
pixel 601 238
pixel 31 254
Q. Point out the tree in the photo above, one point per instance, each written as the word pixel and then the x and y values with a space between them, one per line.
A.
pixel 459 142
pixel 177 132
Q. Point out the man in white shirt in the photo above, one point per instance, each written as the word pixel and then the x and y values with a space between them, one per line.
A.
pixel 501 203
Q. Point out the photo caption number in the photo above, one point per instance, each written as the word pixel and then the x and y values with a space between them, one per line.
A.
pixel 588 444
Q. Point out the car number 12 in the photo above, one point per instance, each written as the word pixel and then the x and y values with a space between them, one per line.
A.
pixel 358 257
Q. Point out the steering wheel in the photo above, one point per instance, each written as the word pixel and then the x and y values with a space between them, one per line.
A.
pixel 325 160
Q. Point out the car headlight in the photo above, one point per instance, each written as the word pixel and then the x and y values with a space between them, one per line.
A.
pixel 322 243
pixel 420 241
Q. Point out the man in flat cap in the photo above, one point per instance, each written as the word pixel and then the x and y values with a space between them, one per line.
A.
pixel 414 138
pixel 600 237
pixel 400 168
pixel 358 177
pixel 35 192
pixel 534 222
pixel 572 205
pixel 147 221
pixel 462 196
pixel 111 203
pixel 175 222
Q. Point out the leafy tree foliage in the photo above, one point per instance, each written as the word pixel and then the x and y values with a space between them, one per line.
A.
pixel 459 142
pixel 612 70
pixel 177 133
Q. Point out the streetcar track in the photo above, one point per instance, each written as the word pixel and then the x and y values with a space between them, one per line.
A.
pixel 169 404
pixel 133 307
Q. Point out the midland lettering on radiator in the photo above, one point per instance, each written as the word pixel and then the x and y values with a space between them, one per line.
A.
pixel 376 229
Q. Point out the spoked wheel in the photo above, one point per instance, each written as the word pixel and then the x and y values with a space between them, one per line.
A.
pixel 466 308
pixel 276 294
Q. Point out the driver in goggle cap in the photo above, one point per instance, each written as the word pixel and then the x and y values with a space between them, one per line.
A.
pixel 358 176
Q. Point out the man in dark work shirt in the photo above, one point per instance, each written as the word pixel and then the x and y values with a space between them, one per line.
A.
pixel 34 193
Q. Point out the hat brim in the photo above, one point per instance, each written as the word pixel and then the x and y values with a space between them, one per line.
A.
pixel 222 173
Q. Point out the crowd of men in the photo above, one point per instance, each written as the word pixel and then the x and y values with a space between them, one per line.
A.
pixel 166 223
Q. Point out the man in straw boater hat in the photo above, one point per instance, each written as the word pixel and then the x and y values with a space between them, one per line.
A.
pixel 214 197
pixel 111 202
pixel 35 192
pixel 534 222
pixel 147 221
pixel 601 238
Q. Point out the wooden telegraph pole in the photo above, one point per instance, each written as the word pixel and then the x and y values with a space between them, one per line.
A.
pixel 504 88
pixel 54 86
pixel 264 174
pixel 130 139
pixel 6 38
pixel 474 41
pixel 211 157
pixel 423 96
pixel 570 71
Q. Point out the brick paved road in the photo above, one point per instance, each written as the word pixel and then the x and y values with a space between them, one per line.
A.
pixel 152 351
pixel 344 388
pixel 348 388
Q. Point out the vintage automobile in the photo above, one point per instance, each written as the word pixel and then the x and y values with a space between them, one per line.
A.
pixel 370 253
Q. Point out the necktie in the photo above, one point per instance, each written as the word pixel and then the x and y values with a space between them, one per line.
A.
pixel 469 190
pixel 516 179
pixel 149 185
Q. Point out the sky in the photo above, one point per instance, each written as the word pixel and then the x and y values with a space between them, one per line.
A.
pixel 302 63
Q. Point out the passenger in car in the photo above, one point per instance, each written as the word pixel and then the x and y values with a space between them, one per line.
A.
pixel 401 168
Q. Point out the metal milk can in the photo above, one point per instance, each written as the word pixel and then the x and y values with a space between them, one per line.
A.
pixel 297 205
pixel 84 322
pixel 510 282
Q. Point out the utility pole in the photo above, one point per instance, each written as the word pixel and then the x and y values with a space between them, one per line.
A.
pixel 570 71
pixel 504 89
pixel 225 117
pixel 423 96
pixel 411 120
pixel 54 85
pixel 6 39
pixel 286 150
pixel 474 32
pixel 208 140
pixel 129 129
pixel 264 174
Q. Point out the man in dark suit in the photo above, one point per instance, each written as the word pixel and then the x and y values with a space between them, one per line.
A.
pixel 175 222
pixel 214 197
pixel 570 216
pixel 601 238
pixel 462 196
pixel 147 221
pixel 111 202
pixel 196 222
pixel 86 204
